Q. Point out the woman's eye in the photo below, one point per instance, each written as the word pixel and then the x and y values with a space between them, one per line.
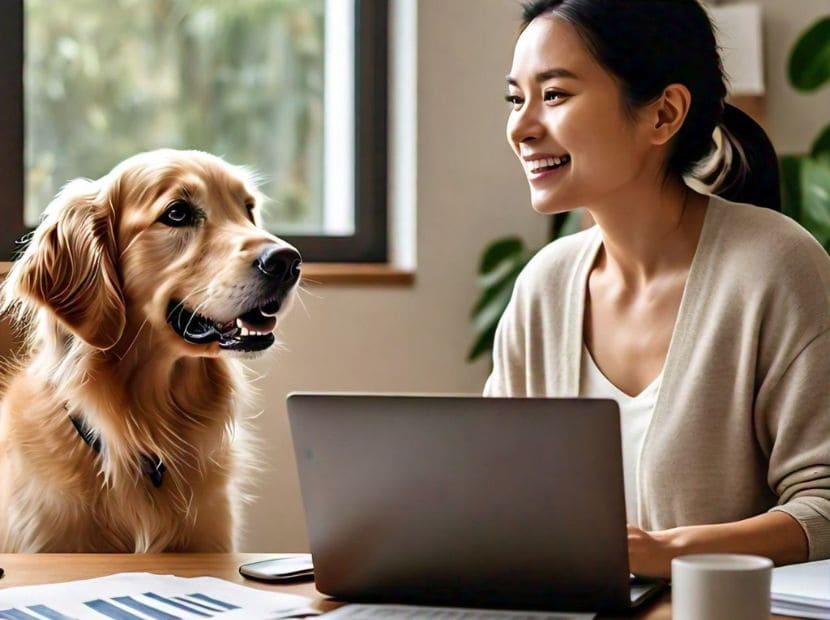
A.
pixel 513 100
pixel 554 95
pixel 177 214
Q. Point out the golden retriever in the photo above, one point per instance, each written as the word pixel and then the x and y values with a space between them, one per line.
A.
pixel 119 428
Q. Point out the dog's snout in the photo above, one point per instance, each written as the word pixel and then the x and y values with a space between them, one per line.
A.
pixel 279 263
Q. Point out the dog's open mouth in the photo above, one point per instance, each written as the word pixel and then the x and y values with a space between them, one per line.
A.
pixel 250 331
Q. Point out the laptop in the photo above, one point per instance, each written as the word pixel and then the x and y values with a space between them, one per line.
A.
pixel 465 501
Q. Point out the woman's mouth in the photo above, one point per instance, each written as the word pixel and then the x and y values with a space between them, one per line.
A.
pixel 540 168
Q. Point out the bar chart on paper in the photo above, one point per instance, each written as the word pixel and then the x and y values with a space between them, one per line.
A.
pixel 123 607
pixel 143 596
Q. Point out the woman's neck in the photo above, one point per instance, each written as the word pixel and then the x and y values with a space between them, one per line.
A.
pixel 648 231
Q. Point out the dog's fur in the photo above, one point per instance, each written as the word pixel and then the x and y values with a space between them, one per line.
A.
pixel 91 294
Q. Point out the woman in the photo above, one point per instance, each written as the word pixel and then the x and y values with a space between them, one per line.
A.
pixel 707 320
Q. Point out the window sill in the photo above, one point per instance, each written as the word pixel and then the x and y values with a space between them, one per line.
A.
pixel 337 273
pixel 357 273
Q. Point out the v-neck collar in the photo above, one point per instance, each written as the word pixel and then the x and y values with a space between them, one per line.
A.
pixel 612 387
pixel 680 333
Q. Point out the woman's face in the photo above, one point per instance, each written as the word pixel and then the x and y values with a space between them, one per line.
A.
pixel 566 108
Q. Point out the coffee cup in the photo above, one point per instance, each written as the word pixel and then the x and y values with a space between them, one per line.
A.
pixel 721 586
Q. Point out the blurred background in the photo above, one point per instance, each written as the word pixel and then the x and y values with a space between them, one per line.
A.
pixel 252 80
pixel 103 79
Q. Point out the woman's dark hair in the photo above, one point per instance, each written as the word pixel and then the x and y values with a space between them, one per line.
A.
pixel 649 44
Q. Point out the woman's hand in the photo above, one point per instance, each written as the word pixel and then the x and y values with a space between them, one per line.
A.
pixel 775 535
pixel 650 553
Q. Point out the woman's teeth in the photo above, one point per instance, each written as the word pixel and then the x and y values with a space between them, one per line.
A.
pixel 540 165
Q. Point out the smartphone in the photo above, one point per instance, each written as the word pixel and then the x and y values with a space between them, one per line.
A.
pixel 294 568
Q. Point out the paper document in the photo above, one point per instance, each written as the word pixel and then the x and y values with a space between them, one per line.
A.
pixel 139 596
pixel 407 612
pixel 802 590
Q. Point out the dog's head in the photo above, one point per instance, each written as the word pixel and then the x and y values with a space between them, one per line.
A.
pixel 168 241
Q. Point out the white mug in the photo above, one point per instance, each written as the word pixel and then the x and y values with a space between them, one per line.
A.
pixel 721 586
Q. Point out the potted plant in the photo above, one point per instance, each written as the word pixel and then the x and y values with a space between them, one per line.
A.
pixel 805 179
pixel 500 265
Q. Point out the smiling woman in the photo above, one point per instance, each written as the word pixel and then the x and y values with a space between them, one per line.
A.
pixel 705 317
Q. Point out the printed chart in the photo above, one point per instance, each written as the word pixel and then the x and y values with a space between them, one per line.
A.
pixel 144 596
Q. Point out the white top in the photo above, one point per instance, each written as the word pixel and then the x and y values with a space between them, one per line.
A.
pixel 635 416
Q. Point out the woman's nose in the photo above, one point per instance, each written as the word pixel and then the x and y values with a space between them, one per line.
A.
pixel 524 125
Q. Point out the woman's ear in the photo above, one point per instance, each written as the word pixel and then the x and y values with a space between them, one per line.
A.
pixel 669 112
pixel 71 268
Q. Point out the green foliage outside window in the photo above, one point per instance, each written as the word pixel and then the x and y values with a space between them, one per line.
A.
pixel 239 78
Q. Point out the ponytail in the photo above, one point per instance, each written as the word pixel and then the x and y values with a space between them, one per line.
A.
pixel 744 166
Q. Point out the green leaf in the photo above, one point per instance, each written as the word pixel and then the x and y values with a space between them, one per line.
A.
pixel 491 292
pixel 490 310
pixel 501 263
pixel 809 65
pixel 821 146
pixel 507 269
pixel 566 223
pixel 791 185
pixel 505 256
pixel 815 191
pixel 498 251
pixel 483 344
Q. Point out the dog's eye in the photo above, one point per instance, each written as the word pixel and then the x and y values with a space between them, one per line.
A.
pixel 249 207
pixel 179 213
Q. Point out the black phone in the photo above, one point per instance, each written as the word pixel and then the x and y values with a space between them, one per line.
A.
pixel 293 568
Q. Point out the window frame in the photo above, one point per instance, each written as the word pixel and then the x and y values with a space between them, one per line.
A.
pixel 368 244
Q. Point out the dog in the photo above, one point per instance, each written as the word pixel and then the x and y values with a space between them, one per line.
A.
pixel 137 294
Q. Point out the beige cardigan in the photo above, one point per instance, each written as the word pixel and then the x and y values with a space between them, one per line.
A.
pixel 742 420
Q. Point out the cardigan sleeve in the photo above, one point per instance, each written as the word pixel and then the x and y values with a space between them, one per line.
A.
pixel 507 378
pixel 793 418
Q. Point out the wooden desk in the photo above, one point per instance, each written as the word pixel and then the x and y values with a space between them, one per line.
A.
pixel 29 569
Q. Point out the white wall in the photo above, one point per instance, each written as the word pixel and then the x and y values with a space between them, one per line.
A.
pixel 469 191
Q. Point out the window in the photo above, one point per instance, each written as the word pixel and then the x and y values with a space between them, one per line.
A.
pixel 294 88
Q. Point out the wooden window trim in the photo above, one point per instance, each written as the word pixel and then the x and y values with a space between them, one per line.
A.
pixel 349 274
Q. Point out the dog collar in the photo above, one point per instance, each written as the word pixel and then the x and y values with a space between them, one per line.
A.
pixel 151 466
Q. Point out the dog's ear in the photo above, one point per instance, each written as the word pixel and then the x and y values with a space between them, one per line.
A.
pixel 71 265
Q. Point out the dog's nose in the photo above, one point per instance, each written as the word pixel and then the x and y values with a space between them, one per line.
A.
pixel 279 263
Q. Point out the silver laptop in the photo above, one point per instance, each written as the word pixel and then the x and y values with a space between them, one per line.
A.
pixel 465 501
